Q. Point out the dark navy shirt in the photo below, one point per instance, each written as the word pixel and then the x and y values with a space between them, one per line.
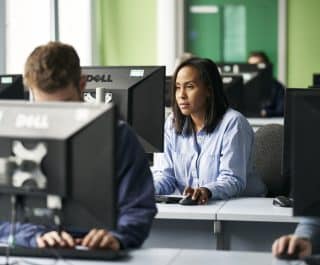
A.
pixel 135 197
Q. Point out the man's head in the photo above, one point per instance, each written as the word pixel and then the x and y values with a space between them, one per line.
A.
pixel 52 72
pixel 257 57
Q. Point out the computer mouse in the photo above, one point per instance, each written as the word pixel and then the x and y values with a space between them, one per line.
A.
pixel 286 256
pixel 283 201
pixel 188 201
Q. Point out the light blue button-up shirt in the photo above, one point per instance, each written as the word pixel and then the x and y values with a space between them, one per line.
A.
pixel 219 161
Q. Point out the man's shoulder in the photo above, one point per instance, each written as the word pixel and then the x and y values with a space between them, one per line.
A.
pixel 126 136
pixel 123 128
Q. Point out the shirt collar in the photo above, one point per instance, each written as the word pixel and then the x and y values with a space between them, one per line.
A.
pixel 186 125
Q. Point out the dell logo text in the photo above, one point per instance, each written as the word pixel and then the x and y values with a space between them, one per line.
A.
pixel 34 121
pixel 99 78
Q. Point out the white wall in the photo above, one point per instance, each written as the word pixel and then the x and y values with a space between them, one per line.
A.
pixel 28 25
pixel 2 36
pixel 170 44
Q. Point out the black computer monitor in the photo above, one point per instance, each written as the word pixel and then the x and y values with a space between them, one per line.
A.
pixel 11 87
pixel 138 92
pixel 233 89
pixel 302 149
pixel 257 80
pixel 316 80
pixel 65 150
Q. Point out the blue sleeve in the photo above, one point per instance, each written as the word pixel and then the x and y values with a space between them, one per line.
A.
pixel 310 228
pixel 165 181
pixel 25 233
pixel 136 191
pixel 234 160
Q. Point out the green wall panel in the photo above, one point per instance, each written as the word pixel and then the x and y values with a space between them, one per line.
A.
pixel 303 42
pixel 261 26
pixel 235 32
pixel 201 26
pixel 126 32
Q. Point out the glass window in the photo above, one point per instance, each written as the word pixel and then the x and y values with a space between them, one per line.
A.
pixel 75 27
pixel 28 24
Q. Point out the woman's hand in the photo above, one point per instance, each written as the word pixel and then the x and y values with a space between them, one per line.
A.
pixel 201 195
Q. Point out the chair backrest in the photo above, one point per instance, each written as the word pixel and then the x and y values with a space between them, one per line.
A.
pixel 267 158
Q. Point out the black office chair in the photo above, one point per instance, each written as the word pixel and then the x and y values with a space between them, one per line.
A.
pixel 267 157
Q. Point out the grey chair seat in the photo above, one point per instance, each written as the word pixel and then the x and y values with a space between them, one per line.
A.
pixel 267 159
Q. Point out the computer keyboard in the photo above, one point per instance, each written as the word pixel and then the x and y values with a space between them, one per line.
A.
pixel 66 253
pixel 168 198
pixel 312 260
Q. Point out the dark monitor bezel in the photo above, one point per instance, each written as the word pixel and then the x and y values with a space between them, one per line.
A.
pixel 301 146
pixel 257 90
pixel 316 80
pixel 144 112
pixel 234 91
pixel 90 149
pixel 14 90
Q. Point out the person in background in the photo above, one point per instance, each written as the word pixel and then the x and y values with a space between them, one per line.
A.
pixel 304 242
pixel 207 146
pixel 53 73
pixel 275 107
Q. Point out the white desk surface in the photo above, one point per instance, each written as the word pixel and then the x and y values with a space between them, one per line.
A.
pixel 256 210
pixel 194 212
pixel 264 121
pixel 148 256
pixel 165 256
pixel 209 257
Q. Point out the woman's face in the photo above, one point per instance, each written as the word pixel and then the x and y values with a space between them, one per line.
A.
pixel 191 93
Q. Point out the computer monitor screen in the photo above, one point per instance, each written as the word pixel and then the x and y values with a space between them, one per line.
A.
pixel 11 87
pixel 233 89
pixel 302 149
pixel 257 80
pixel 63 153
pixel 138 92
pixel 316 80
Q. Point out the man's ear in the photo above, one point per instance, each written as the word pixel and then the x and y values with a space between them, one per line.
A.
pixel 82 84
pixel 31 97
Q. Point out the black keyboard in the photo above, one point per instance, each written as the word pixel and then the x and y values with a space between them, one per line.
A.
pixel 168 198
pixel 312 260
pixel 66 253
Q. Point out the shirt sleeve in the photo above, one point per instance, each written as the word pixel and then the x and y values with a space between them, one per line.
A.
pixel 165 181
pixel 136 191
pixel 234 159
pixel 25 233
pixel 310 228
